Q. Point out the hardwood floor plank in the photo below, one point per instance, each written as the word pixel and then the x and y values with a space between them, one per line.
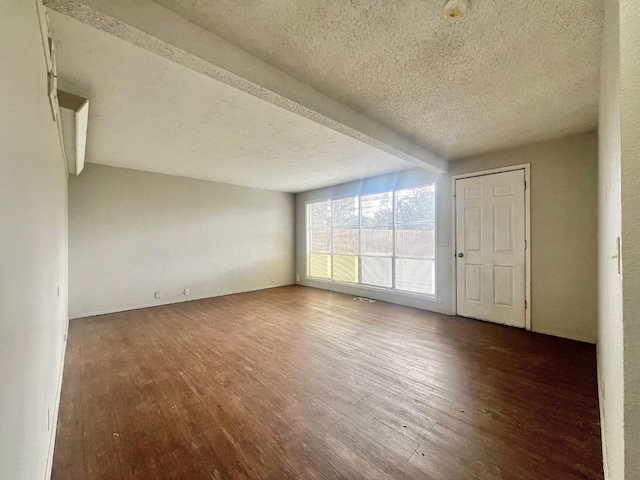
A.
pixel 298 383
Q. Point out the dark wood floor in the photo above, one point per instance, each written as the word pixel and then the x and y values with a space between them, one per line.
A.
pixel 301 383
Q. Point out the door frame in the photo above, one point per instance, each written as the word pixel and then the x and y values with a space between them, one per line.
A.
pixel 527 232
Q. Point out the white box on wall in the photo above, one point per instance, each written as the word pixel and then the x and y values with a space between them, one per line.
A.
pixel 74 117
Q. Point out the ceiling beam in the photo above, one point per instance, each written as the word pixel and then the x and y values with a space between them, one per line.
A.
pixel 154 28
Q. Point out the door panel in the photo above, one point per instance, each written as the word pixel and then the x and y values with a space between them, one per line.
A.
pixel 503 228
pixel 473 229
pixel 490 247
pixel 503 285
pixel 473 282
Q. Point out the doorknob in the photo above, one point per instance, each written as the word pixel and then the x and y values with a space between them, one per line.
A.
pixel 461 255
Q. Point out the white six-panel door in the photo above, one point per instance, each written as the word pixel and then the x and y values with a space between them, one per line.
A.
pixel 490 247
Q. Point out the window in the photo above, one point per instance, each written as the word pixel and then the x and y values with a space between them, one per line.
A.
pixel 383 240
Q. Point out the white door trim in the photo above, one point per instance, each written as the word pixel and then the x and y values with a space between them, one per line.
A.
pixel 527 234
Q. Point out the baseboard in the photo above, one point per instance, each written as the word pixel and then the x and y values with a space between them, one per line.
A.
pixel 397 298
pixel 562 335
pixel 603 437
pixel 56 409
pixel 173 301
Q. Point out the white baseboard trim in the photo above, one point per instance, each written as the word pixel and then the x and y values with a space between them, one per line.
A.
pixel 56 409
pixel 397 298
pixel 603 437
pixel 562 335
pixel 172 301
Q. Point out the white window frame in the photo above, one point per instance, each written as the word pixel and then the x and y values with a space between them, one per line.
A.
pixel 431 296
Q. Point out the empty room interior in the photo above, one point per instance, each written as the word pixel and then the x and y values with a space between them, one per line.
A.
pixel 284 239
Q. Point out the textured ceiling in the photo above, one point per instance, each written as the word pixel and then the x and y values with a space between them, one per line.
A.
pixel 148 113
pixel 508 73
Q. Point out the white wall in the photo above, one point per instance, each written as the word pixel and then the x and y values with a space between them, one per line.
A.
pixel 619 216
pixel 33 249
pixel 133 233
pixel 564 189
pixel 563 241
pixel 610 326
pixel 630 175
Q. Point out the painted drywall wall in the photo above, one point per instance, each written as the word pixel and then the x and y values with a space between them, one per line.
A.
pixel 610 325
pixel 629 174
pixel 619 216
pixel 563 230
pixel 33 250
pixel 384 183
pixel 134 233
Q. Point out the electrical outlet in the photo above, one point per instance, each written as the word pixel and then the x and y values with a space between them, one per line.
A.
pixel 297 277
pixel 440 299
pixel 446 242
pixel 186 291
pixel 157 294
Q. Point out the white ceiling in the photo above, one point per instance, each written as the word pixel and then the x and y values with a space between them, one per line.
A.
pixel 148 113
pixel 509 73
pixel 291 95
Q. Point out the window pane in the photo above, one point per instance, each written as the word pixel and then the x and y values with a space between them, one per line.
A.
pixel 346 240
pixel 376 271
pixel 415 240
pixel 377 210
pixel 319 266
pixel 415 275
pixel 319 214
pixel 320 240
pixel 354 239
pixel 416 205
pixel 345 268
pixel 377 241
pixel 345 212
